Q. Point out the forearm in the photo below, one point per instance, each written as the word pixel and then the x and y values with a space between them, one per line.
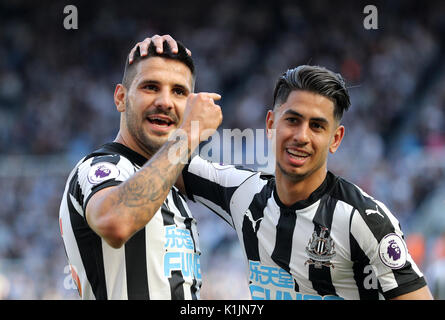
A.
pixel 130 206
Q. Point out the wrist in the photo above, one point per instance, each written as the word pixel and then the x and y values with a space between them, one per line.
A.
pixel 181 145
pixel 190 132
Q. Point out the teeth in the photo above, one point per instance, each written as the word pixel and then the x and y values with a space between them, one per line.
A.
pixel 160 119
pixel 297 153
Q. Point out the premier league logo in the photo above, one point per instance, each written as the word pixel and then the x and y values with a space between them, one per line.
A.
pixel 392 251
pixel 320 249
pixel 102 171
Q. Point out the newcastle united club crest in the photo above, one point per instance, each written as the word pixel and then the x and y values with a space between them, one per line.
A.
pixel 320 249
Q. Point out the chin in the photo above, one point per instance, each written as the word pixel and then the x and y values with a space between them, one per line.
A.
pixel 153 143
pixel 295 175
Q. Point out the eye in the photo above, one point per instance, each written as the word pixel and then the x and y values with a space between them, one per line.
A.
pixel 179 91
pixel 317 126
pixel 291 120
pixel 150 86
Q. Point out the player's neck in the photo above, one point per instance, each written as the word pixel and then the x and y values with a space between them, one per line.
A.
pixel 290 190
pixel 130 143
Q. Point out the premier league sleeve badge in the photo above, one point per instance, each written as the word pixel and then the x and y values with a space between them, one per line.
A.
pixel 392 251
pixel 102 171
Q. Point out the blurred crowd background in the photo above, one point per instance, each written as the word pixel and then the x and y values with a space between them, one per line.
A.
pixel 56 105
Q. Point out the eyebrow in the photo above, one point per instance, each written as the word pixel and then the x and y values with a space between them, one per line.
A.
pixel 297 114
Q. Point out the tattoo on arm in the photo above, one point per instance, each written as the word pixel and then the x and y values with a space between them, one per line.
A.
pixel 143 194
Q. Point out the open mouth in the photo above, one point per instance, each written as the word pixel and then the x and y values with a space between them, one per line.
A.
pixel 297 154
pixel 161 121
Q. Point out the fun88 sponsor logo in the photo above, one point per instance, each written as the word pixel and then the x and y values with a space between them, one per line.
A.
pixel 274 283
pixel 180 253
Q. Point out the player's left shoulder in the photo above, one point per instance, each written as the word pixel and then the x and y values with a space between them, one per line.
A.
pixel 372 211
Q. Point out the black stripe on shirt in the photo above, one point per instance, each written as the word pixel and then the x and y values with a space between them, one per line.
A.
pixel 176 279
pixel 321 277
pixel 194 288
pixel 136 267
pixel 90 249
pixel 349 193
pixel 256 208
pixel 74 188
pixel 176 285
pixel 187 220
pixel 379 227
pixel 115 147
pixel 407 288
pixel 209 190
pixel 167 215
pixel 284 233
pixel 188 225
pixel 360 261
pixel 98 187
pixel 112 158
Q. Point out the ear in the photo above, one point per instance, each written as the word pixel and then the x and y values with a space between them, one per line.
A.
pixel 270 118
pixel 338 137
pixel 120 94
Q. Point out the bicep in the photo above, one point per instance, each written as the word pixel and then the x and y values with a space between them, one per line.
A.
pixel 97 209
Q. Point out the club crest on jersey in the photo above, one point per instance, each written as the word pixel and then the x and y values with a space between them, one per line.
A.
pixel 102 171
pixel 320 249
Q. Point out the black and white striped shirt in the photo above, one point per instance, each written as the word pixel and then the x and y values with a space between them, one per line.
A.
pixel 340 243
pixel 161 261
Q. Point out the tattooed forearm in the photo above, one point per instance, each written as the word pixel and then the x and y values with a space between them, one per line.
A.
pixel 143 194
pixel 140 191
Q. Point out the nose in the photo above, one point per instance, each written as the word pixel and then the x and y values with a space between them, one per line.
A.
pixel 163 100
pixel 301 134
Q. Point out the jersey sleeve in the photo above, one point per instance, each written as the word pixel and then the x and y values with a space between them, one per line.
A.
pixel 380 237
pixel 213 185
pixel 101 172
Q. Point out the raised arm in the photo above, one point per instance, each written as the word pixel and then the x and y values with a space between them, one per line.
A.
pixel 116 213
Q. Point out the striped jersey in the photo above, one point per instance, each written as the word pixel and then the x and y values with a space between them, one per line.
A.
pixel 161 261
pixel 340 243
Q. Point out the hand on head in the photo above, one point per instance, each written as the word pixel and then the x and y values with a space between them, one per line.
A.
pixel 158 41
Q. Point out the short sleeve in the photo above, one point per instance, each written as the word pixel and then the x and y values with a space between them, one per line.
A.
pixel 213 185
pixel 380 237
pixel 101 172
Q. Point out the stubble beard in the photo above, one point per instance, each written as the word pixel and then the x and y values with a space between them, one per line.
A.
pixel 150 145
pixel 295 177
pixel 298 177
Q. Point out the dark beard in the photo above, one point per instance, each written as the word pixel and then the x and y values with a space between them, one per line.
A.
pixel 149 145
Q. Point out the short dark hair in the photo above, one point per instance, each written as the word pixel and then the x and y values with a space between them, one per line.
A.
pixel 315 79
pixel 182 56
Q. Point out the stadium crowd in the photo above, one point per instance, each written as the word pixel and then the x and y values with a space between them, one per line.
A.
pixel 56 104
